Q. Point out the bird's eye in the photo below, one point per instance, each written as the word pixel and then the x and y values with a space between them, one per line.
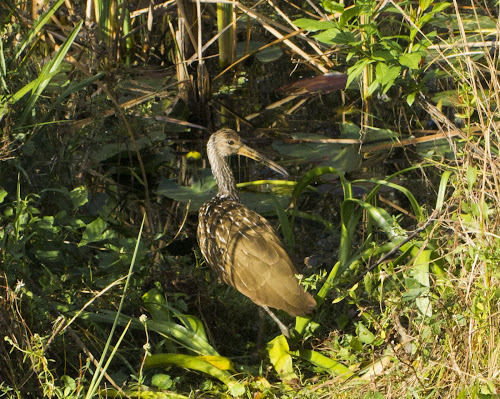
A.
pixel 230 142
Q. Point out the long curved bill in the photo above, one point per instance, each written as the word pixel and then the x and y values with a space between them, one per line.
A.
pixel 251 153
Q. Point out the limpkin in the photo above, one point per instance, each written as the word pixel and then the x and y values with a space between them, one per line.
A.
pixel 240 245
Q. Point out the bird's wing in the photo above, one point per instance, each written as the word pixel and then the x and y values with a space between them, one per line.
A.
pixel 257 264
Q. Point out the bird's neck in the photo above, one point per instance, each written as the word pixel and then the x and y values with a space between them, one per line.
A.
pixel 223 174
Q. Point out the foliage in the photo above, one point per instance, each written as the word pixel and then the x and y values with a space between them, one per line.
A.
pixel 375 37
pixel 394 209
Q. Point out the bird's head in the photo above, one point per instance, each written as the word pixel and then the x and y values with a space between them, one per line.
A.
pixel 226 142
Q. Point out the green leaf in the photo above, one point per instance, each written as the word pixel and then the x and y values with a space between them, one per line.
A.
pixel 471 177
pixel 95 231
pixel 37 27
pixel 50 69
pixel 438 7
pixel 159 309
pixel 411 60
pixel 198 193
pixel 410 98
pixel 313 25
pixel 382 55
pixel 269 54
pixel 79 197
pixel 162 381
pixel 344 38
pixel 327 36
pixel 411 198
pixel 279 355
pixel 420 272
pixel 372 88
pixel 424 4
pixel 285 224
pixel 332 7
pixel 357 69
pixel 319 360
pixel 194 363
pixel 443 185
pixel 348 14
pixel 166 328
pixel 364 335
pixel 381 218
pixel 386 75
pixel 3 194
pixel 342 158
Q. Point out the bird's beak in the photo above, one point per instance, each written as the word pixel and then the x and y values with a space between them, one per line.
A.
pixel 251 153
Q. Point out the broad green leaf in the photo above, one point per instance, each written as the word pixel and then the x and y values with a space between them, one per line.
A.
pixel 420 272
pixel 313 25
pixel 428 16
pixel 424 4
pixel 269 54
pixel 448 98
pixel 471 177
pixel 386 75
pixel 382 55
pixel 332 6
pixel 279 355
pixel 79 197
pixel 342 158
pixel 201 190
pixel 168 329
pixel 438 7
pixel 348 14
pixel 162 381
pixel 160 310
pixel 377 135
pixel 372 88
pixel 96 231
pixel 381 218
pixel 345 37
pixel 357 69
pixel 319 360
pixel 194 363
pixel 49 256
pixel 364 334
pixel 327 36
pixel 411 60
pixel 221 362
pixel 483 23
pixel 439 147
pixel 3 194
pixel 410 98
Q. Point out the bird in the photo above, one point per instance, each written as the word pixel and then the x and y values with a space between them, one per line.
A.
pixel 240 245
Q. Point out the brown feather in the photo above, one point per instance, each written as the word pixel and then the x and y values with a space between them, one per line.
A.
pixel 248 255
pixel 242 247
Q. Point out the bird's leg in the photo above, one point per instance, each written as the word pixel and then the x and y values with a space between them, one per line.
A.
pixel 260 333
pixel 282 327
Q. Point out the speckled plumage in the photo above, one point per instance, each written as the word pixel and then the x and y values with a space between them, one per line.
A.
pixel 240 245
